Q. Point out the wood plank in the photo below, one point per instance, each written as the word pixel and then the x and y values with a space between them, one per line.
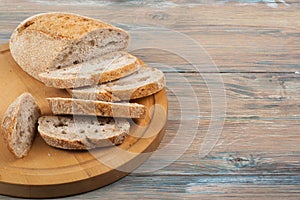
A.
pixel 242 147
pixel 260 134
pixel 200 187
pixel 168 3
pixel 247 95
pixel 251 38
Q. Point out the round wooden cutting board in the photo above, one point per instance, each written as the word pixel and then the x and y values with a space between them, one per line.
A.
pixel 50 172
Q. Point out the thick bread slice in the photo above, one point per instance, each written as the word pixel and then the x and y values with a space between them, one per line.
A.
pixel 69 106
pixel 19 124
pixel 51 41
pixel 98 70
pixel 144 82
pixel 82 133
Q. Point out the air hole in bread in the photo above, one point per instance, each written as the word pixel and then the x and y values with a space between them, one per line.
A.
pixel 82 131
pixel 78 43
pixel 92 43
pixel 21 133
pixel 29 117
pixel 75 62
pixel 63 132
pixel 60 124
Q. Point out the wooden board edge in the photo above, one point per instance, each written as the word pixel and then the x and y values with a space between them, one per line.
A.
pixel 4 47
pixel 91 183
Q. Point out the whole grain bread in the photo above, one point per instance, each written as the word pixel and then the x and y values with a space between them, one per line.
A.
pixel 80 133
pixel 98 70
pixel 70 106
pixel 144 82
pixel 49 41
pixel 19 124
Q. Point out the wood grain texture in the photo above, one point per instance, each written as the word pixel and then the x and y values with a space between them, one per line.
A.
pixel 248 95
pixel 250 38
pixel 249 48
pixel 202 187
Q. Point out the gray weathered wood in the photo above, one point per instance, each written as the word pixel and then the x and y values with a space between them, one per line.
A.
pixel 250 38
pixel 202 187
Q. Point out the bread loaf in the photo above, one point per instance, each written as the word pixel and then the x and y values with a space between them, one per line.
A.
pixel 19 124
pixel 70 106
pixel 82 133
pixel 49 41
pixel 144 82
pixel 98 70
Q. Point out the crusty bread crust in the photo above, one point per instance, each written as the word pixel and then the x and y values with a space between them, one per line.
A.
pixel 102 69
pixel 70 106
pixel 144 82
pixel 82 133
pixel 19 124
pixel 50 41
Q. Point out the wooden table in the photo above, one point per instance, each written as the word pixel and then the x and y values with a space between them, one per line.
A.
pixel 233 83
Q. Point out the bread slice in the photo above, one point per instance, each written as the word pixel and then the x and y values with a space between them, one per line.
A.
pixel 19 124
pixel 98 70
pixel 69 106
pixel 82 133
pixel 144 82
pixel 49 41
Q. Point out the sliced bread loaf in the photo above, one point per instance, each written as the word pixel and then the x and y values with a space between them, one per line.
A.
pixel 51 41
pixel 144 82
pixel 98 70
pixel 82 133
pixel 19 124
pixel 69 106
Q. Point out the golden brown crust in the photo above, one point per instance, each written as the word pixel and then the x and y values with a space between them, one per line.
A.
pixel 67 25
pixel 118 73
pixel 43 42
pixel 8 124
pixel 79 145
pixel 71 78
pixel 113 134
pixel 11 128
pixel 70 106
pixel 112 92
pixel 62 143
